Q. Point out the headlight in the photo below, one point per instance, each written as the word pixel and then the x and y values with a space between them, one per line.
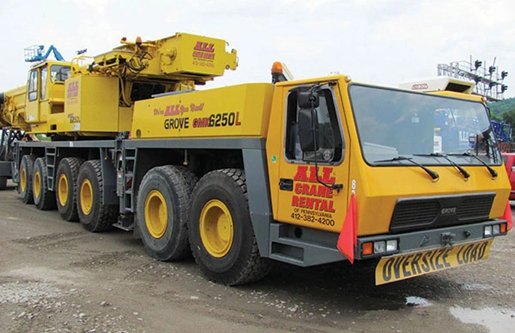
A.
pixel 391 245
pixel 488 231
pixel 379 247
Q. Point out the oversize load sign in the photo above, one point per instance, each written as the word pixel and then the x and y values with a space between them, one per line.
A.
pixel 395 268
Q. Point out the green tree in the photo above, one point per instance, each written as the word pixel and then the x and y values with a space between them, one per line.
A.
pixel 509 117
pixel 496 117
pixel 500 107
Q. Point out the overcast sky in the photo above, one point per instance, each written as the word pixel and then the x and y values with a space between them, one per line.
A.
pixel 381 42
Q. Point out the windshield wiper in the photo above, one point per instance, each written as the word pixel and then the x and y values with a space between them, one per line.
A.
pixel 492 171
pixel 460 168
pixel 431 173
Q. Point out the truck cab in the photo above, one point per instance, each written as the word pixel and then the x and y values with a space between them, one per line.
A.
pixel 423 170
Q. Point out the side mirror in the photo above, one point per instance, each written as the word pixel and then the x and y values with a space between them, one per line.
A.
pixel 306 130
pixel 308 99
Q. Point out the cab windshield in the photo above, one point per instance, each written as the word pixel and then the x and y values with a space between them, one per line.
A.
pixel 395 125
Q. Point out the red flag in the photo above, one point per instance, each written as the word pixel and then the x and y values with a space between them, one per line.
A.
pixel 348 238
pixel 507 215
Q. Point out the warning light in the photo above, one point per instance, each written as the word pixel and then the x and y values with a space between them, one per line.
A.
pixel 280 72
pixel 138 41
pixel 277 67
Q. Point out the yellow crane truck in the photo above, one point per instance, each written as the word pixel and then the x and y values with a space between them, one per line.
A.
pixel 305 172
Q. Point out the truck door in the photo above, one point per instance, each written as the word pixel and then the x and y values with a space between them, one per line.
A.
pixel 33 91
pixel 303 198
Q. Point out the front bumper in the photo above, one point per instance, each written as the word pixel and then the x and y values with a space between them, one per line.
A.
pixel 416 241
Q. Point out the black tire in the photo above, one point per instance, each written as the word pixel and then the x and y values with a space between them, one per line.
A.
pixel 25 184
pixel 163 210
pixel 221 196
pixel 93 215
pixel 66 188
pixel 43 198
pixel 3 183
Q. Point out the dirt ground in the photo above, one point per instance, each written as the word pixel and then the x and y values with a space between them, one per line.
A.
pixel 57 277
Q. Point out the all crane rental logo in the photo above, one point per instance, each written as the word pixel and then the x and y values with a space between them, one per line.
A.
pixel 309 193
pixel 72 93
pixel 73 89
pixel 178 109
pixel 204 50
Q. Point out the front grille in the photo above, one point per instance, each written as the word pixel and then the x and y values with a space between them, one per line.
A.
pixel 474 208
pixel 415 213
pixel 433 212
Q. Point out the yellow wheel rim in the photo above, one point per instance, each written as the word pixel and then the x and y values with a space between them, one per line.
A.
pixel 156 214
pixel 86 196
pixel 62 189
pixel 216 228
pixel 23 179
pixel 37 184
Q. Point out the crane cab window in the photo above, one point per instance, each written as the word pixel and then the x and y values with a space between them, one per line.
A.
pixel 33 85
pixel 329 143
pixel 44 72
pixel 59 73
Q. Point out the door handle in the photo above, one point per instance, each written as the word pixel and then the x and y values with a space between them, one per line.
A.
pixel 286 184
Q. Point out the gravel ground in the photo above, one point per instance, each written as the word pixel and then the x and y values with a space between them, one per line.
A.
pixel 57 277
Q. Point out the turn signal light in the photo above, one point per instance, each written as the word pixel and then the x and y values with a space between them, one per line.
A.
pixel 367 248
